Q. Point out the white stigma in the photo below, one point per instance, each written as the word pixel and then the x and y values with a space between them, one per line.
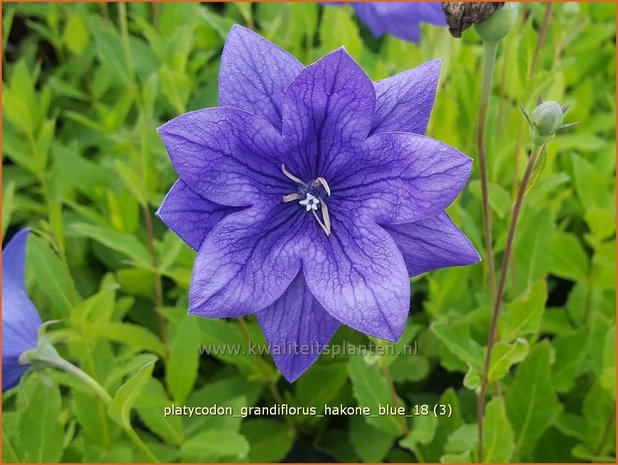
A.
pixel 310 202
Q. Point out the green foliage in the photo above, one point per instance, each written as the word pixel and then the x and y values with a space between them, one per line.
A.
pixel 85 87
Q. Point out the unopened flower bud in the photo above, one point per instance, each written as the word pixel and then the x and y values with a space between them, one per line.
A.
pixel 546 120
pixel 547 117
pixel 499 23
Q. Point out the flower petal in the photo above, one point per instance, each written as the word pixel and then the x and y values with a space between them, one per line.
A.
pixel 247 261
pixel 401 178
pixel 358 275
pixel 228 156
pixel 392 20
pixel 433 243
pixel 18 311
pixel 254 73
pixel 400 19
pixel 14 258
pixel 404 101
pixel 20 319
pixel 190 215
pixel 297 329
pixel 329 105
pixel 12 371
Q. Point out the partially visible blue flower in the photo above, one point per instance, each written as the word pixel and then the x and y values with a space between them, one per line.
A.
pixel 20 319
pixel 399 19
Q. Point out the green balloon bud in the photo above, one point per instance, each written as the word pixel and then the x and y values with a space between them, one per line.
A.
pixel 546 119
pixel 499 23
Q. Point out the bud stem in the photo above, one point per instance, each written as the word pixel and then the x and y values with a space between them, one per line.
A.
pixel 45 355
pixel 489 61
pixel 491 339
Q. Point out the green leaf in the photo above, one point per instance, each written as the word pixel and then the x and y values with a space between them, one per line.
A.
pixel 569 260
pixel 590 186
pixel 523 315
pixel 569 357
pixel 41 435
pixel 602 222
pixel 371 389
pixel 211 445
pixel 126 244
pixel 463 439
pixel 531 403
pixel 498 443
pixel 8 193
pixel 75 35
pixel 455 335
pixel 149 406
pixel 126 395
pixel 370 443
pixel 423 430
pixel 130 334
pixel 500 200
pixel 269 440
pixel 337 28
pixel 321 384
pixel 532 243
pixel 599 412
pixel 504 356
pixel 48 276
pixel 183 361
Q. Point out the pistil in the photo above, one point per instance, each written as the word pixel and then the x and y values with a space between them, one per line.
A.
pixel 309 196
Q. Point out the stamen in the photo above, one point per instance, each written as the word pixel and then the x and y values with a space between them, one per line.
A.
pixel 313 198
pixel 325 228
pixel 291 176
pixel 326 217
pixel 324 184
pixel 290 198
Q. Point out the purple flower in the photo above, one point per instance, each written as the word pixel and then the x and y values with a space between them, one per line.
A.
pixel 311 196
pixel 20 319
pixel 400 19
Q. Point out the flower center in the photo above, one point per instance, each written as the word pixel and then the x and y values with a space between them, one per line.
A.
pixel 311 195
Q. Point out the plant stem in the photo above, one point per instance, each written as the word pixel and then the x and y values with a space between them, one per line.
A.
pixel 391 387
pixel 480 407
pixel 531 73
pixel 67 366
pixel 489 61
pixel 158 285
pixel 539 42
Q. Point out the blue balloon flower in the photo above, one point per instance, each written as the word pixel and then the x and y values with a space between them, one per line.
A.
pixel 20 319
pixel 311 196
pixel 399 19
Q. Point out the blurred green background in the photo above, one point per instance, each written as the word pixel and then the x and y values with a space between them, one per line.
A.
pixel 84 88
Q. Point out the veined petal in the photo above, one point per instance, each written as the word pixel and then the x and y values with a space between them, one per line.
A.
pixel 328 106
pixel 404 101
pixel 400 19
pixel 401 178
pixel 432 243
pixel 20 319
pixel 17 308
pixel 12 371
pixel 14 258
pixel 247 261
pixel 190 215
pixel 226 155
pixel 358 275
pixel 254 73
pixel 297 328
